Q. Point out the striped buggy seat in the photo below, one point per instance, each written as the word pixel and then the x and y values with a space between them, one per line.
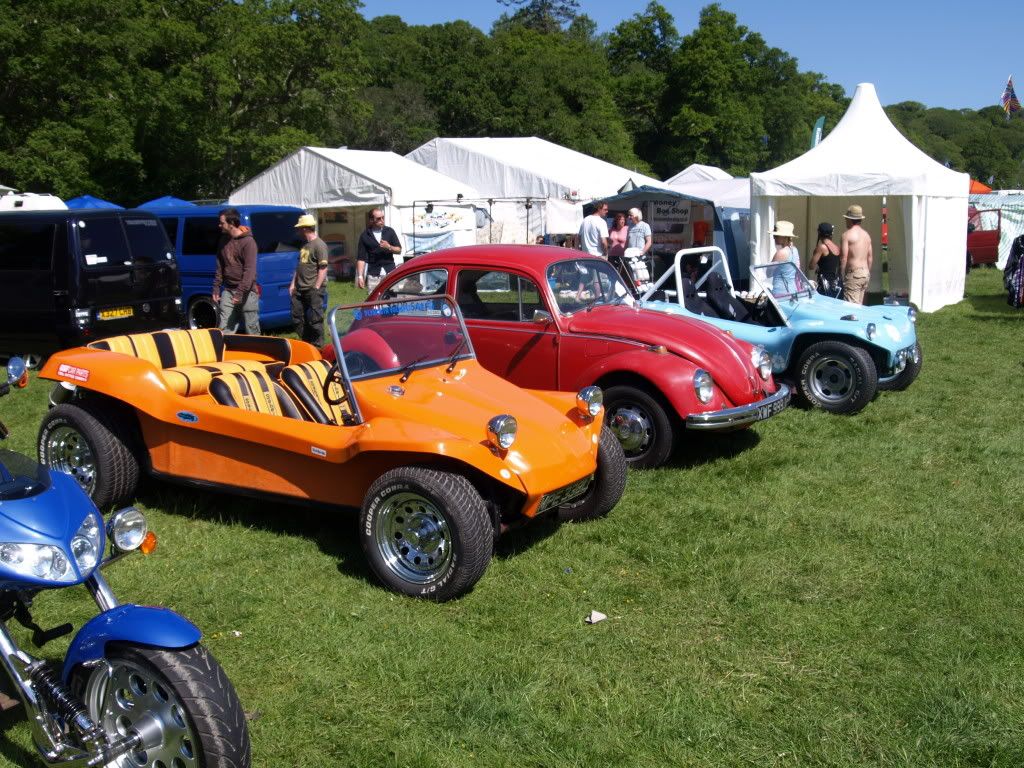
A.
pixel 189 359
pixel 306 382
pixel 254 391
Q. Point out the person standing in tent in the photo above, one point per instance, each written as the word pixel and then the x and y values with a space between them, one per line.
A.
pixel 236 275
pixel 594 232
pixel 307 287
pixel 639 233
pixel 783 276
pixel 825 262
pixel 375 256
pixel 855 256
pixel 617 236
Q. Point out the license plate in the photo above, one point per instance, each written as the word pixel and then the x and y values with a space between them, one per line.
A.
pixel 769 410
pixel 114 314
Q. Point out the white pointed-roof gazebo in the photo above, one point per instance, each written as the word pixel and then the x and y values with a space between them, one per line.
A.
pixel 866 160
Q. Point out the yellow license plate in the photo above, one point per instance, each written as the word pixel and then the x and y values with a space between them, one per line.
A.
pixel 114 314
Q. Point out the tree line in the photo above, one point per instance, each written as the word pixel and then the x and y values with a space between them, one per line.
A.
pixel 131 99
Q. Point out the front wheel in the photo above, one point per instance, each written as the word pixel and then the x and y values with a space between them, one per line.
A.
pixel 837 377
pixel 426 533
pixel 609 483
pixel 640 423
pixel 180 701
pixel 906 377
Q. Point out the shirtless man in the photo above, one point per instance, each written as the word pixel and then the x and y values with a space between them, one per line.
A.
pixel 855 256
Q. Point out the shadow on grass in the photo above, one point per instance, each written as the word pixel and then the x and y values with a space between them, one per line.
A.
pixel 13 753
pixel 705 449
pixel 994 307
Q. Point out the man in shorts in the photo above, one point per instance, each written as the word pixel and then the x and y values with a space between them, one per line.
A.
pixel 855 256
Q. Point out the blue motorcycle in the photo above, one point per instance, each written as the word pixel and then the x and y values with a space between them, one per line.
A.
pixel 136 688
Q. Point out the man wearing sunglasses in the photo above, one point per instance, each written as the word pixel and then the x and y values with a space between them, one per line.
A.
pixel 375 256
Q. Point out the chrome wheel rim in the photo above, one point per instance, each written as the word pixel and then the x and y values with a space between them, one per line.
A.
pixel 413 537
pixel 832 379
pixel 633 428
pixel 202 314
pixel 68 451
pixel 128 698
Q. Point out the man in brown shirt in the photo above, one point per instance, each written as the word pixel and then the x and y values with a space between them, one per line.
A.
pixel 855 256
pixel 236 275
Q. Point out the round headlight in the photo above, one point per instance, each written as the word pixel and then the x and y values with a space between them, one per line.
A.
pixel 872 331
pixel 762 361
pixel 501 431
pixel 127 528
pixel 589 400
pixel 703 385
pixel 87 544
pixel 912 314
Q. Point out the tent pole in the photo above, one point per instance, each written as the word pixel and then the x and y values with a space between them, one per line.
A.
pixel 886 281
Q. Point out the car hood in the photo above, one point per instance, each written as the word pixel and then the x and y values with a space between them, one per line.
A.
pixel 893 323
pixel 722 355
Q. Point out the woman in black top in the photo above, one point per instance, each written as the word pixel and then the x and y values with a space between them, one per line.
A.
pixel 825 261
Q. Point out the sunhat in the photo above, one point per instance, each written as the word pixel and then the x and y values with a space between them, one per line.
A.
pixel 783 229
pixel 305 220
pixel 854 213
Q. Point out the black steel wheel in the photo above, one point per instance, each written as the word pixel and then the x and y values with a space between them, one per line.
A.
pixel 837 377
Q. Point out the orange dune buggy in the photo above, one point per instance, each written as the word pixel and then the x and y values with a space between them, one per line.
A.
pixel 440 455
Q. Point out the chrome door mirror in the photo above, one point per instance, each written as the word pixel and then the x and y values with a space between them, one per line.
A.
pixel 541 317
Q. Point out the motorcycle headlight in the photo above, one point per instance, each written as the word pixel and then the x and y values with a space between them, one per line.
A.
pixel 871 331
pixel 762 361
pixel 589 400
pixel 912 314
pixel 501 431
pixel 127 529
pixel 87 544
pixel 37 561
pixel 703 385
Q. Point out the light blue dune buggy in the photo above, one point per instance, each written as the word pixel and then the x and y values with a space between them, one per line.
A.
pixel 837 354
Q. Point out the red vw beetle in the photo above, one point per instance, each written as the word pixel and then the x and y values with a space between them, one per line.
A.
pixel 551 318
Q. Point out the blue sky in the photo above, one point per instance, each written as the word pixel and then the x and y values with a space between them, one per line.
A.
pixel 941 53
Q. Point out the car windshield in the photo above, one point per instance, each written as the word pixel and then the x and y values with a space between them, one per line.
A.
pixel 20 476
pixel 382 337
pixel 584 283
pixel 783 280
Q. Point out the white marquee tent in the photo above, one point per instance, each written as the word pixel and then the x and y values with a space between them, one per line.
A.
pixel 698 172
pixel 339 186
pixel 537 187
pixel 864 159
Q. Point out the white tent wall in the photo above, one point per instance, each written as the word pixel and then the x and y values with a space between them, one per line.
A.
pixel 863 159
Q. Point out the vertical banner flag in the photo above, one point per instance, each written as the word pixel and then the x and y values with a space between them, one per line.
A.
pixel 1009 100
pixel 816 132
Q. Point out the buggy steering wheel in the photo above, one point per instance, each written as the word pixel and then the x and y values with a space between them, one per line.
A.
pixel 334 377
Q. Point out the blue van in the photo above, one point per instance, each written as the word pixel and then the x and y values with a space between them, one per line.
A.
pixel 193 231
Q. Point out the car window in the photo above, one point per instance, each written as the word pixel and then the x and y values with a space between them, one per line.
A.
pixel 171 228
pixel 26 245
pixel 103 243
pixel 275 231
pixel 201 236
pixel 497 295
pixel 581 283
pixel 430 282
pixel 147 240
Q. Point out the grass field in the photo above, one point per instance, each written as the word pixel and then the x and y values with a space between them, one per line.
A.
pixel 819 591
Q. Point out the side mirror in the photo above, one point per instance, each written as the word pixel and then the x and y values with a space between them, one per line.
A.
pixel 541 317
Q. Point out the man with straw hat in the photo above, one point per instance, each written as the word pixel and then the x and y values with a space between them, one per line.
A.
pixel 784 278
pixel 855 256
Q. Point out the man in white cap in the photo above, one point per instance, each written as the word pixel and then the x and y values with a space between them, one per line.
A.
pixel 855 256
pixel 308 292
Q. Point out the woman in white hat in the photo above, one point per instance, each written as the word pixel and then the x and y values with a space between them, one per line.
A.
pixel 784 278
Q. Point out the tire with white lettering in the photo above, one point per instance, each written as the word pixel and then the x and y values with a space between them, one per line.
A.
pixel 426 533
pixel 837 377
pixel 90 440
pixel 609 483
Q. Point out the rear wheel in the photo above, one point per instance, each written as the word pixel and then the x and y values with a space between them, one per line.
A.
pixel 180 701
pixel 641 425
pixel 837 377
pixel 90 440
pixel 426 533
pixel 609 483
pixel 202 313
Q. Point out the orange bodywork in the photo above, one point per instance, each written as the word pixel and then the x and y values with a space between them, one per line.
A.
pixel 439 417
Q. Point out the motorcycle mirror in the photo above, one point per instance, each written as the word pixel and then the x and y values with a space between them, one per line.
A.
pixel 17 372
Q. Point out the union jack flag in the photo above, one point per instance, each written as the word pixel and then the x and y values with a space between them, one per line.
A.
pixel 1009 100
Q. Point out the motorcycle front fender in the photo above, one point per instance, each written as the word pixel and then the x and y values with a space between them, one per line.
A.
pixel 137 624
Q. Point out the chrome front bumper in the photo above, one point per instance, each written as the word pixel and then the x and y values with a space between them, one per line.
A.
pixel 731 418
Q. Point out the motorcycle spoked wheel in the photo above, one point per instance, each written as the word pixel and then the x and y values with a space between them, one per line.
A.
pixel 200 718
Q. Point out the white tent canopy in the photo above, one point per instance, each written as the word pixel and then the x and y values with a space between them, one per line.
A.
pixel 511 171
pixel 725 193
pixel 863 160
pixel 698 172
pixel 340 185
